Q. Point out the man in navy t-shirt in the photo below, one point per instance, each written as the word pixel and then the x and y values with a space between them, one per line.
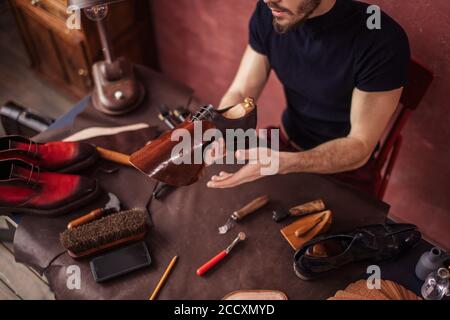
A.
pixel 342 75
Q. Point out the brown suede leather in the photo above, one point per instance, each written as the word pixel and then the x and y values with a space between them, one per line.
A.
pixel 38 249
pixel 186 222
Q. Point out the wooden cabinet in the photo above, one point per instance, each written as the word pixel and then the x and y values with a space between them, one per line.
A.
pixel 65 57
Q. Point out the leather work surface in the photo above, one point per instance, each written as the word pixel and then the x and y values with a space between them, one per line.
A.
pixel 186 222
pixel 37 239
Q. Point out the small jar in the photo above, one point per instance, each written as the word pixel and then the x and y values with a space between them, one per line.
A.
pixel 430 261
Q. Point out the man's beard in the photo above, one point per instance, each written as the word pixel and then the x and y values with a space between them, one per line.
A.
pixel 304 11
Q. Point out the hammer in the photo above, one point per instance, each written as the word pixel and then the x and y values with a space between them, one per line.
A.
pixel 298 211
pixel 112 206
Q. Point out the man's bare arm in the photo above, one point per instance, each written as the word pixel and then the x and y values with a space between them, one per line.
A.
pixel 370 115
pixel 250 79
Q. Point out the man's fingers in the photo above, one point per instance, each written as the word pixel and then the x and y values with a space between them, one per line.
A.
pixel 230 180
pixel 222 176
pixel 209 156
pixel 250 154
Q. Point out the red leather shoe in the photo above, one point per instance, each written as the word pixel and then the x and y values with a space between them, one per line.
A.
pixel 53 156
pixel 25 189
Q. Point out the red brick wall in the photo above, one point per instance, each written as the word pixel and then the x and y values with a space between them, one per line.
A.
pixel 200 43
pixel 420 187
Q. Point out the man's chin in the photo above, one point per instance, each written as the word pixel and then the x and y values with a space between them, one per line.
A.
pixel 281 25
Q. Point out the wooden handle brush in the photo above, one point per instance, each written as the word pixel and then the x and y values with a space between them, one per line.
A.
pixel 99 235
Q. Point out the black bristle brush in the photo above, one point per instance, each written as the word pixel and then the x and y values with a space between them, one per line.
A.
pixel 105 233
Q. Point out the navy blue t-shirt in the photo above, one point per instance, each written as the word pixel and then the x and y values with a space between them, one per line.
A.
pixel 322 61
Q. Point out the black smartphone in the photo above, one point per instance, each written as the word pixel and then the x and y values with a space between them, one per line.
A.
pixel 120 262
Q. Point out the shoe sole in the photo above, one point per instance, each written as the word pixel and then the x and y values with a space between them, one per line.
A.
pixel 301 276
pixel 312 277
pixel 56 212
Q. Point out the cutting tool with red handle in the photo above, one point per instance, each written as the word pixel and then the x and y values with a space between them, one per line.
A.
pixel 211 263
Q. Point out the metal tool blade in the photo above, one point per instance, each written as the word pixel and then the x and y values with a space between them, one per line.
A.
pixel 280 214
pixel 240 237
pixel 243 212
pixel 227 226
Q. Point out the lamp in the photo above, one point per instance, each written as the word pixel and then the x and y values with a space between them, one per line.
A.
pixel 117 90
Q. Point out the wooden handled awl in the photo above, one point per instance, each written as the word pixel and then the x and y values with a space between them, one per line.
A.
pixel 298 211
pixel 211 263
pixel 243 212
pixel 113 205
pixel 307 208
pixel 91 216
pixel 114 156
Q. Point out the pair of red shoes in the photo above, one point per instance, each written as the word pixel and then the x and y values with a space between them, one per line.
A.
pixel 34 177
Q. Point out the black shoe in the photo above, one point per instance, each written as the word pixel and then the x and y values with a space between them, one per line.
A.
pixel 375 242
pixel 248 121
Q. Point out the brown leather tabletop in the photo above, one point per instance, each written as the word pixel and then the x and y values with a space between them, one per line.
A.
pixel 186 221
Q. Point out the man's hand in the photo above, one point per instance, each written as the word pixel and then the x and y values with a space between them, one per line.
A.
pixel 260 160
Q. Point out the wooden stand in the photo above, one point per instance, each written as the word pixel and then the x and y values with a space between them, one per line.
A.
pixel 306 228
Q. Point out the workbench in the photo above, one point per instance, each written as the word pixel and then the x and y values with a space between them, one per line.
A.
pixel 185 223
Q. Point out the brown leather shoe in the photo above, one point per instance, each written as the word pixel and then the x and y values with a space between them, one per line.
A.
pixel 156 161
pixel 25 189
pixel 53 156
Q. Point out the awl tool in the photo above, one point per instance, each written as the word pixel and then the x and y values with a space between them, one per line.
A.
pixel 165 116
pixel 181 113
pixel 243 212
pixel 112 206
pixel 211 263
pixel 298 211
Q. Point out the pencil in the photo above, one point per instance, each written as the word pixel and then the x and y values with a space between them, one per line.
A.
pixel 164 278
